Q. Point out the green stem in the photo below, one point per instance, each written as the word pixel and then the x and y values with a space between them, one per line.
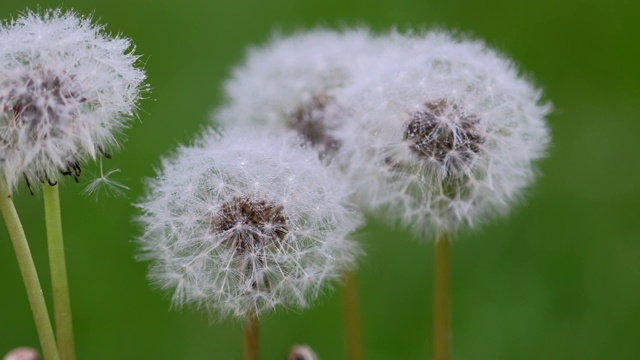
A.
pixel 252 337
pixel 352 317
pixel 59 283
pixel 442 298
pixel 29 274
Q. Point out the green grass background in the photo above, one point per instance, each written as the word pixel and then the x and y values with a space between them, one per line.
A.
pixel 558 279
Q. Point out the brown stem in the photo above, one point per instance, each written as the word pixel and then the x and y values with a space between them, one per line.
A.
pixel 252 337
pixel 352 317
pixel 442 299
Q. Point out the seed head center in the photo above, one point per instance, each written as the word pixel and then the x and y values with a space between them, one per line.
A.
pixel 309 121
pixel 443 132
pixel 249 224
pixel 42 97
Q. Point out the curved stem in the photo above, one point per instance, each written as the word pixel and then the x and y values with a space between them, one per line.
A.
pixel 352 317
pixel 252 337
pixel 29 275
pixel 442 298
pixel 59 283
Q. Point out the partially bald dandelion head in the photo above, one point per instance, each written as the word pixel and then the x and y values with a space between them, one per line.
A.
pixel 66 90
pixel 242 224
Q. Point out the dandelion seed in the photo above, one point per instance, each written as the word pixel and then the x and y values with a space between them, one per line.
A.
pixel 105 184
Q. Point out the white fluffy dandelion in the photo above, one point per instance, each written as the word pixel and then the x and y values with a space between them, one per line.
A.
pixel 292 84
pixel 242 224
pixel 66 90
pixel 442 133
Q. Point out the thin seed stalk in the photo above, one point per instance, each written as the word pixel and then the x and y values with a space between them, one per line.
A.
pixel 352 317
pixel 29 275
pixel 442 298
pixel 252 337
pixel 59 282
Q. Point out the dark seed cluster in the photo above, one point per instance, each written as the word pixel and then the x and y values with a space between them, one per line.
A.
pixel 251 224
pixel 309 120
pixel 27 105
pixel 443 131
pixel 43 97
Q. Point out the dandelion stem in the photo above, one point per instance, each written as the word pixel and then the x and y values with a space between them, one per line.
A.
pixel 59 283
pixel 252 337
pixel 29 275
pixel 442 298
pixel 352 317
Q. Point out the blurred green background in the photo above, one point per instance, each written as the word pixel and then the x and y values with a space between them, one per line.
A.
pixel 558 279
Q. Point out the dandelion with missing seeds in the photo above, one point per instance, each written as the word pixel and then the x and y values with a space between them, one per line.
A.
pixel 66 90
pixel 240 225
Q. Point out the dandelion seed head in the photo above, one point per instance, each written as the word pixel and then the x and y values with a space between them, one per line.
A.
pixel 443 132
pixel 291 84
pixel 245 223
pixel 66 90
